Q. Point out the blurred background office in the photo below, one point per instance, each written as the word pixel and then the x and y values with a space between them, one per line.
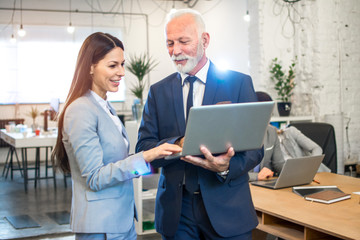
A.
pixel 40 39
pixel 324 35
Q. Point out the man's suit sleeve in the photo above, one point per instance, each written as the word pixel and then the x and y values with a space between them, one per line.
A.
pixel 244 161
pixel 149 132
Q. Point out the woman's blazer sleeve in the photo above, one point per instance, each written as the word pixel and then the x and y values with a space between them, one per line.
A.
pixel 102 161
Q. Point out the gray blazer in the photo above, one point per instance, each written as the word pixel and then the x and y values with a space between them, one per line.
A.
pixel 101 169
pixel 295 144
pixel 273 157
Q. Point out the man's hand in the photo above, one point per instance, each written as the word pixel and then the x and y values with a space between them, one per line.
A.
pixel 216 164
pixel 265 173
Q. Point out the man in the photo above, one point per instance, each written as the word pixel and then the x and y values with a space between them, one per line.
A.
pixel 219 206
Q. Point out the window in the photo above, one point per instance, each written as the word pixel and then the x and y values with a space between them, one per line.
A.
pixel 40 66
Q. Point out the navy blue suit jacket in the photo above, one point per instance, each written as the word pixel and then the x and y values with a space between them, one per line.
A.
pixel 228 202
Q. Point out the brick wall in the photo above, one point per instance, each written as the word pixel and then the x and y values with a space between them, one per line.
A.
pixel 326 40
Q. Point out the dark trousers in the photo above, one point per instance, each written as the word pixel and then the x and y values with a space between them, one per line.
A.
pixel 195 224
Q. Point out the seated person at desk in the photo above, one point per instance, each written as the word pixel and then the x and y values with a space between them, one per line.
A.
pixel 273 159
pixel 291 143
pixel 294 144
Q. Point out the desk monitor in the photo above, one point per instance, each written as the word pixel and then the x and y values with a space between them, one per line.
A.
pixel 217 127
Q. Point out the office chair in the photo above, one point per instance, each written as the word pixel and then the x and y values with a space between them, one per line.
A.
pixel 324 135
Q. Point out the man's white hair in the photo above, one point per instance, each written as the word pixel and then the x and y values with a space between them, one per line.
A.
pixel 181 12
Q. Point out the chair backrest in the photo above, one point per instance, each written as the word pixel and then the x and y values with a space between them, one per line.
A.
pixel 324 135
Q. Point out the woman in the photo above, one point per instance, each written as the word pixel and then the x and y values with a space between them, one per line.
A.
pixel 93 144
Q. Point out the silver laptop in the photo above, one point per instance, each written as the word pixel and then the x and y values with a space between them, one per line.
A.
pixel 217 127
pixel 296 171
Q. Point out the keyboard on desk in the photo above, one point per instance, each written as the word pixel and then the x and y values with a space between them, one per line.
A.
pixel 267 182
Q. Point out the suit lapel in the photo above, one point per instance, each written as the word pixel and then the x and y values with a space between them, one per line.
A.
pixel 211 86
pixel 178 103
pixel 113 111
pixel 209 95
pixel 123 132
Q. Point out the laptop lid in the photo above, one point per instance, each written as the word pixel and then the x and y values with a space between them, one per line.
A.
pixel 296 171
pixel 217 127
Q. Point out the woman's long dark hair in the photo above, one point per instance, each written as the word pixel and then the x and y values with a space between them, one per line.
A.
pixel 94 49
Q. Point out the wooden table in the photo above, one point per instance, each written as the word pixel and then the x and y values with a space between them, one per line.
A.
pixel 287 215
pixel 18 141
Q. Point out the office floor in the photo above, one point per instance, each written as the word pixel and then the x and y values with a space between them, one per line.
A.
pixel 37 204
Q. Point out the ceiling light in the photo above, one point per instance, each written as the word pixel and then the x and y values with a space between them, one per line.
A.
pixel 70 28
pixel 173 9
pixel 12 39
pixel 247 16
pixel 21 31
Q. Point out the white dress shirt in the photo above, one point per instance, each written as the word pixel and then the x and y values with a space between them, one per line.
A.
pixel 199 86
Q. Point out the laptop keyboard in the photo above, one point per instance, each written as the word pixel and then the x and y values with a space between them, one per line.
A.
pixel 269 182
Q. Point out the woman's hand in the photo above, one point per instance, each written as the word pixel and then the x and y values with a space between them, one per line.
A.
pixel 161 151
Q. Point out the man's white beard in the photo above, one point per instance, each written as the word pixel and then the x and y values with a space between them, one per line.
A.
pixel 191 61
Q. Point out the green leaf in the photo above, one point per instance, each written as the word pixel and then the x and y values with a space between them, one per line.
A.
pixel 140 66
pixel 284 84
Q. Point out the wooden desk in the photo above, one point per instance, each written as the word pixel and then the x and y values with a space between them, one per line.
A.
pixel 18 141
pixel 284 214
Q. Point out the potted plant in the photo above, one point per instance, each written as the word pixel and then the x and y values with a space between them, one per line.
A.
pixel 139 66
pixel 34 113
pixel 284 85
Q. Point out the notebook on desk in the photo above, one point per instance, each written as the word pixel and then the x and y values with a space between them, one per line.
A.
pixel 295 172
pixel 217 127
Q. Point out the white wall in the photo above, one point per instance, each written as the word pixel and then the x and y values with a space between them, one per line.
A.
pixel 224 20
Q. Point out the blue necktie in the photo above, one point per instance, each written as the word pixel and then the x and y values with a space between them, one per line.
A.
pixel 189 102
pixel 191 174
